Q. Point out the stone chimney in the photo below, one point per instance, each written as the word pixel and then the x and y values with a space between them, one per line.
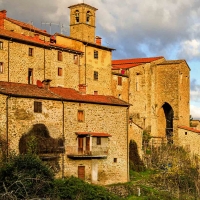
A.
pixel 98 40
pixel 2 17
pixel 36 36
pixel 46 83
pixel 82 88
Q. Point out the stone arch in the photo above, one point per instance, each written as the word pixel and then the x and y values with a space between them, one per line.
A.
pixel 165 122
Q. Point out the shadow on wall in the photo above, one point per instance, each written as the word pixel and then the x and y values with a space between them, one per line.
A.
pixel 38 140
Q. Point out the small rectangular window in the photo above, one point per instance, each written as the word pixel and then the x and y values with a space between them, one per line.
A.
pixel 1 45
pixel 1 68
pixel 115 160
pixel 95 54
pixel 119 80
pixel 95 92
pixel 59 71
pixel 60 56
pixel 96 75
pixel 98 141
pixel 80 116
pixel 30 51
pixel 37 106
pixel 76 59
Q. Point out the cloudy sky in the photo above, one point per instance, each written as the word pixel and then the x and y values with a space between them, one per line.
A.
pixel 169 28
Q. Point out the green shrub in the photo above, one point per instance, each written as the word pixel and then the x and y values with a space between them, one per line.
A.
pixel 74 188
pixel 25 176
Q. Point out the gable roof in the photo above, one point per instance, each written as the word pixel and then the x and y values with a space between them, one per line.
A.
pixel 71 94
pixel 132 62
pixel 13 36
pixel 56 93
pixel 28 26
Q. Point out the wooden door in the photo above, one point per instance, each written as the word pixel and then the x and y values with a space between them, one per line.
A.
pixel 80 145
pixel 81 172
pixel 87 145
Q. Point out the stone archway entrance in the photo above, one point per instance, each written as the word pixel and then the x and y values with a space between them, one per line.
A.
pixel 165 122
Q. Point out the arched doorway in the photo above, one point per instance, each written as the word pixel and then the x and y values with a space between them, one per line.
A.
pixel 165 122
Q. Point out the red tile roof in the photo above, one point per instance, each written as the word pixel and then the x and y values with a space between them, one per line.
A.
pixel 133 62
pixel 33 40
pixel 27 26
pixel 94 134
pixel 189 129
pixel 25 90
pixel 71 94
pixel 66 94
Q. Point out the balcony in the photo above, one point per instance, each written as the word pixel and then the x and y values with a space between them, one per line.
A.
pixel 74 152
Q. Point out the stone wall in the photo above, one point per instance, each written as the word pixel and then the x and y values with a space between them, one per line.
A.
pixel 98 118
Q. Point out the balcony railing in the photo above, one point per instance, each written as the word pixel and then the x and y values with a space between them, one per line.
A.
pixel 94 152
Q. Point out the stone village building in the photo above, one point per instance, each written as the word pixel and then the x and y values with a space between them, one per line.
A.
pixel 70 89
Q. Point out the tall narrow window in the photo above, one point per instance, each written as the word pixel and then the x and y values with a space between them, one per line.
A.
pixel 98 141
pixel 59 71
pixel 88 17
pixel 96 75
pixel 137 82
pixel 1 67
pixel 30 76
pixel 95 54
pixel 1 45
pixel 30 51
pixel 119 80
pixel 60 56
pixel 80 116
pixel 37 106
pixel 76 59
pixel 77 16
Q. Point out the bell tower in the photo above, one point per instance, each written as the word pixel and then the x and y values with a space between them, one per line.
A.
pixel 82 22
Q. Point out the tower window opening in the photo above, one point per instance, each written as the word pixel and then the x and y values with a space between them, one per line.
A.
pixel 88 14
pixel 77 16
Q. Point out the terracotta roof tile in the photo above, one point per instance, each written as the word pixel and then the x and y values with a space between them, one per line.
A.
pixel 136 60
pixel 66 94
pixel 34 40
pixel 71 94
pixel 26 90
pixel 27 26
pixel 189 129
pixel 94 134
pixel 132 62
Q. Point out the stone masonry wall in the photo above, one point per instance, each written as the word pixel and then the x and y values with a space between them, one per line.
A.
pixel 98 118
pixel 43 66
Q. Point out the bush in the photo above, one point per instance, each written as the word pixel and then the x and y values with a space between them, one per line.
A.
pixel 25 176
pixel 74 188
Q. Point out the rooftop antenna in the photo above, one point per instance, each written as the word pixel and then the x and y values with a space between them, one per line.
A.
pixel 50 24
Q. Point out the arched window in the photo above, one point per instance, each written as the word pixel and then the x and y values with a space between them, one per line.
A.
pixel 77 16
pixel 88 14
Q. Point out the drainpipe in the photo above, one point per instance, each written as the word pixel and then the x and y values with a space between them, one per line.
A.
pixel 9 59
pixel 7 139
pixel 127 124
pixel 85 64
pixel 63 137
pixel 44 63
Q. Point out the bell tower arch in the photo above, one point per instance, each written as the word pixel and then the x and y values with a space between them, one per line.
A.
pixel 82 22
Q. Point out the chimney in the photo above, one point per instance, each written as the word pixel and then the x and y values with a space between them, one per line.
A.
pixel 98 40
pixel 36 36
pixel 82 88
pixel 46 83
pixel 2 17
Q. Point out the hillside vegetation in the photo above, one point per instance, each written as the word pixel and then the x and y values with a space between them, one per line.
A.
pixel 167 172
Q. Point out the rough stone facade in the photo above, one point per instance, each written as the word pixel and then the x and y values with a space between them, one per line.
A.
pixel 158 91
